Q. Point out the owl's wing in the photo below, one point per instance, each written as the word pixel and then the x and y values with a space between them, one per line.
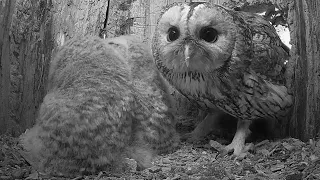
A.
pixel 269 53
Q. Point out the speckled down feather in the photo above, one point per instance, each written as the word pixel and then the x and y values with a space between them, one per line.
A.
pixel 105 102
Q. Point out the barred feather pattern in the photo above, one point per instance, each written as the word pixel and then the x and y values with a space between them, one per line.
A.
pixel 242 73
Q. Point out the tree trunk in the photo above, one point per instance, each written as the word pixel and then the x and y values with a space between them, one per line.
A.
pixel 119 20
pixel 26 52
pixel 305 34
pixel 29 32
pixel 142 22
pixel 6 12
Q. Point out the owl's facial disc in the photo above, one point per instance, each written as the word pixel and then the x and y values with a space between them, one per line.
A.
pixel 195 38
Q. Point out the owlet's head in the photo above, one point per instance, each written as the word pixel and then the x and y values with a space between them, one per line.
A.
pixel 196 37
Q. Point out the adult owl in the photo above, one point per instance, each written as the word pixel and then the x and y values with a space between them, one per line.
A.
pixel 226 61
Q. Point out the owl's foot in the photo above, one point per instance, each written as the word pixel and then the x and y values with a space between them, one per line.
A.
pixel 207 125
pixel 238 143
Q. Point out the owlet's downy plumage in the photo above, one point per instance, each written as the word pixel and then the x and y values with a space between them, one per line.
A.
pixel 226 61
pixel 105 101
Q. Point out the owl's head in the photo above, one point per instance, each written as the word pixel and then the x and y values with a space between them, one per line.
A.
pixel 197 37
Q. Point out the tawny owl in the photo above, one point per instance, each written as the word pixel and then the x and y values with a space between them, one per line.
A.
pixel 105 101
pixel 224 60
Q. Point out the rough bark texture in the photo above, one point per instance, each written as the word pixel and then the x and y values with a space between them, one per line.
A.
pixel 30 45
pixel 304 16
pixel 73 18
pixel 6 12
pixel 28 35
pixel 119 20
pixel 141 19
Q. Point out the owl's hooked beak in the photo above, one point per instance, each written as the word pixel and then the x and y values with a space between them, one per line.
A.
pixel 187 54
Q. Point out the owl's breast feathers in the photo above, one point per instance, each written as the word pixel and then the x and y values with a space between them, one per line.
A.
pixel 251 84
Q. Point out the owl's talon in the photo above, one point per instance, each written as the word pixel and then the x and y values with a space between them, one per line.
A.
pixel 236 153
pixel 236 148
pixel 238 143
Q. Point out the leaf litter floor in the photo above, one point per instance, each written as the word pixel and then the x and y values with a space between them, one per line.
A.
pixel 284 159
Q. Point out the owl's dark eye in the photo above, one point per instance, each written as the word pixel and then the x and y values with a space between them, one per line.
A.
pixel 173 34
pixel 209 34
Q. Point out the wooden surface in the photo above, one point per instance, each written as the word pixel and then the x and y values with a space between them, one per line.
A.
pixel 6 12
pixel 305 33
pixel 32 30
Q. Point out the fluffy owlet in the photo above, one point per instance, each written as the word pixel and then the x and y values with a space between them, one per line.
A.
pixel 225 60
pixel 105 101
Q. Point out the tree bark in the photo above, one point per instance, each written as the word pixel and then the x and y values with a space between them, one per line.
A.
pixel 119 19
pixel 141 13
pixel 29 33
pixel 30 45
pixel 77 18
pixel 6 12
pixel 304 16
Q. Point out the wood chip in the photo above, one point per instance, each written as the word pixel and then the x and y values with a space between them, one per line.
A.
pixel 277 167
pixel 287 146
pixel 154 169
